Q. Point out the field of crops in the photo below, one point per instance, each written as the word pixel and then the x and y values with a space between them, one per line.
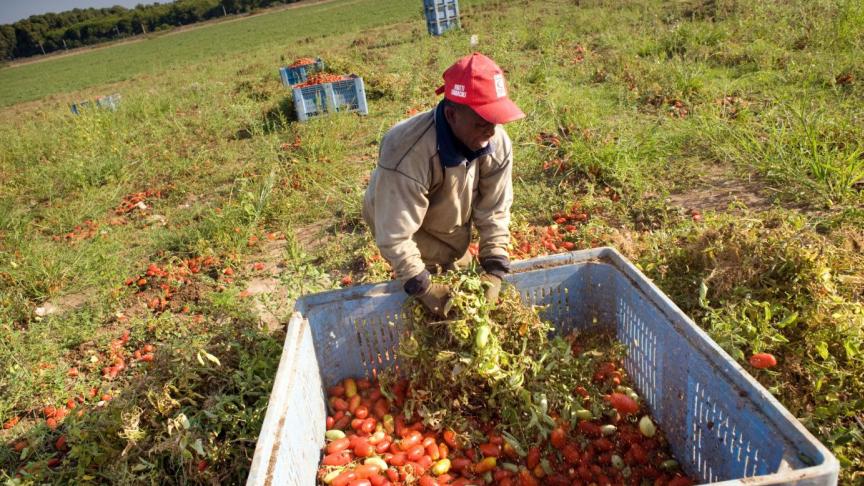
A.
pixel 718 144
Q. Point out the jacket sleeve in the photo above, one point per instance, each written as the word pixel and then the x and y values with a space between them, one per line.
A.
pixel 492 212
pixel 401 204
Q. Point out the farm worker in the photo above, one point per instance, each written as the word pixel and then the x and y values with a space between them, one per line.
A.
pixel 438 173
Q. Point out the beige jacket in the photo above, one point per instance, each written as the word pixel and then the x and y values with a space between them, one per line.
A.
pixel 421 213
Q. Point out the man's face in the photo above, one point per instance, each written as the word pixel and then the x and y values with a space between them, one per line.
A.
pixel 469 127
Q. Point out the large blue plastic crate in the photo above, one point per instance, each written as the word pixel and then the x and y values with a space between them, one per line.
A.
pixel 441 15
pixel 722 425
pixel 299 74
pixel 318 99
pixel 110 102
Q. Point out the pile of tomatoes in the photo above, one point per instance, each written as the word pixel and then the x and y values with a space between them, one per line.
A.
pixel 302 61
pixel 320 78
pixel 136 200
pixel 83 231
pixel 371 443
pixel 158 284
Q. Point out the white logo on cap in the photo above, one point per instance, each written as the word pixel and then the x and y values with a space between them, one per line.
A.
pixel 500 90
pixel 459 91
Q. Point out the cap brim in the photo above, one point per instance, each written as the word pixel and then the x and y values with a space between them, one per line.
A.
pixel 500 111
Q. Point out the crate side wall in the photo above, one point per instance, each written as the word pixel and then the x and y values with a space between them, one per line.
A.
pixel 361 336
pixel 288 447
pixel 716 430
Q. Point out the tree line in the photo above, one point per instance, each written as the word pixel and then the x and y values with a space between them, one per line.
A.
pixel 41 34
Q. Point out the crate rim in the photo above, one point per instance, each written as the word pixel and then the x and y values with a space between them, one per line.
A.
pixel 714 354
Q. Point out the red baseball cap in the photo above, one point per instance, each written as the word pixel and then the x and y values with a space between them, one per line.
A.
pixel 476 81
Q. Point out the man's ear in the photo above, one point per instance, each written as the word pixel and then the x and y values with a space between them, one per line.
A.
pixel 449 114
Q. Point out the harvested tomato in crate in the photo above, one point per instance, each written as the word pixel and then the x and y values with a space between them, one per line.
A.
pixel 300 70
pixel 718 421
pixel 326 93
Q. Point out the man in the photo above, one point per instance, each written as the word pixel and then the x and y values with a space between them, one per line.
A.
pixel 438 173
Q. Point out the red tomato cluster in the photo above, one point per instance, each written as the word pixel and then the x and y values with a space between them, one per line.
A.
pixel 83 231
pixel 320 78
pixel 164 282
pixel 302 61
pixel 370 443
pixel 117 355
pixel 134 200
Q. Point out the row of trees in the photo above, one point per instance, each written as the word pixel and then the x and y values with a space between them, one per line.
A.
pixel 41 34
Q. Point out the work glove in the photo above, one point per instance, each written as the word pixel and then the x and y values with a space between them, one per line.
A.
pixel 436 299
pixel 492 283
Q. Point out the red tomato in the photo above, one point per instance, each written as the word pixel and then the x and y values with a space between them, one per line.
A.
pixel 360 482
pixel 366 470
pixel 338 404
pixel 382 446
pixel 398 459
pixel 369 425
pixel 381 407
pixel 344 478
pixel 533 458
pixel 11 423
pixel 490 450
pixel 558 437
pixel 338 445
pixel 603 444
pixel 571 454
pixel 415 452
pixel 460 463
pixel 361 412
pixel 411 438
pixel 763 360
pixel 428 481
pixel 337 459
pixel 362 448
pixel 526 478
pixel 623 404
pixel 589 428
pixel 432 451
pixel 450 439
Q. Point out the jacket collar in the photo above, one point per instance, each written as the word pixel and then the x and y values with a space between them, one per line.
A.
pixel 452 151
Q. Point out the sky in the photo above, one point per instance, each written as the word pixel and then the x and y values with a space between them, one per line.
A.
pixel 12 11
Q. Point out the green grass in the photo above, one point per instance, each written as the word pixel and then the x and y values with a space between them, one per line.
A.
pixel 649 99
pixel 284 31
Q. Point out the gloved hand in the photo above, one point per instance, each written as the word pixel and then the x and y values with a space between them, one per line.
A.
pixel 493 287
pixel 436 299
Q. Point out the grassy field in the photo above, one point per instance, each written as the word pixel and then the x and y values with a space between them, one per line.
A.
pixel 718 144
pixel 158 53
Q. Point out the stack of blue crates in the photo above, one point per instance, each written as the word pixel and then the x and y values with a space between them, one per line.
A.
pixel 441 15
pixel 348 94
pixel 298 74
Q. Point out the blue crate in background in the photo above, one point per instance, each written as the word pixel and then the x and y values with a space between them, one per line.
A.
pixel 298 74
pixel 722 425
pixel 441 15
pixel 348 94
pixel 110 102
